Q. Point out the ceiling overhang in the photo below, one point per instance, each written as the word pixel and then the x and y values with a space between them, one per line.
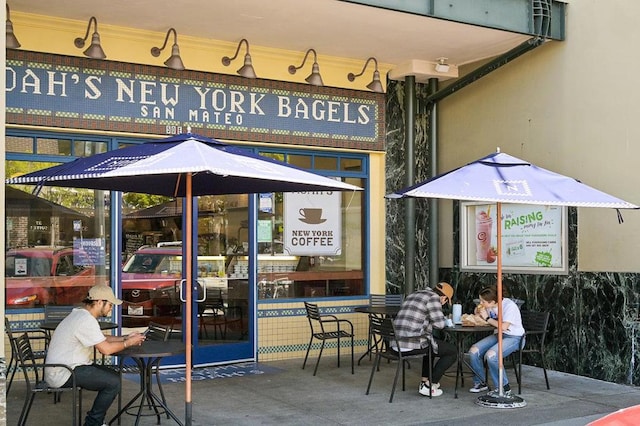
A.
pixel 407 38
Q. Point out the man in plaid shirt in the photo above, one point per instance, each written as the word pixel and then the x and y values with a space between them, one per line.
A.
pixel 419 314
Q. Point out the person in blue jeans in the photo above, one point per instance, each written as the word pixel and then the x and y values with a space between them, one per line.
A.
pixel 487 348
pixel 72 344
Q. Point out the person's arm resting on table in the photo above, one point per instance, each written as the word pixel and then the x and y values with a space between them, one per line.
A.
pixel 113 344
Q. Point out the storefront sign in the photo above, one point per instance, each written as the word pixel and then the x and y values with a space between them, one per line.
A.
pixel 45 89
pixel 312 223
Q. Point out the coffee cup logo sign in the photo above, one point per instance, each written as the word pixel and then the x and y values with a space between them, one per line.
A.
pixel 311 216
pixel 312 223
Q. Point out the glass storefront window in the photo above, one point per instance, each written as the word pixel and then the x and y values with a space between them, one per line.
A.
pixel 19 144
pixel 302 161
pixel 45 235
pixel 53 146
pixel 288 265
pixel 351 164
pixel 56 246
pixel 326 163
pixel 88 148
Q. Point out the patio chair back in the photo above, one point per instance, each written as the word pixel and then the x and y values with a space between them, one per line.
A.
pixel 386 299
pixel 383 330
pixel 159 332
pixel 33 372
pixel 535 326
pixel 35 335
pixel 56 312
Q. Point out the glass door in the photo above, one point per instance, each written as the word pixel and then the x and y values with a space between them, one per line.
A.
pixel 153 272
pixel 223 312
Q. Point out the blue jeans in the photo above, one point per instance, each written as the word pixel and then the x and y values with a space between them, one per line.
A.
pixel 487 349
pixel 106 382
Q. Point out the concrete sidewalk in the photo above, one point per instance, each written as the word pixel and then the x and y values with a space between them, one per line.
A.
pixel 286 394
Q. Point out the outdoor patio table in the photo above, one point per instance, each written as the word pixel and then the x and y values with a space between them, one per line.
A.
pixel 390 311
pixel 459 332
pixel 146 356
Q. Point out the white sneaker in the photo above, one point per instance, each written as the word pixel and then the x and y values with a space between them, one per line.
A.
pixel 434 389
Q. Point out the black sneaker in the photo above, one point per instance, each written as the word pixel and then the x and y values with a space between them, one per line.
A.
pixel 479 387
pixel 506 391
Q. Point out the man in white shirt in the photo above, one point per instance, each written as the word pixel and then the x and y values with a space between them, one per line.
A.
pixel 72 344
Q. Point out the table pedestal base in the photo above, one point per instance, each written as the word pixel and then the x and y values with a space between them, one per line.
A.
pixel 496 401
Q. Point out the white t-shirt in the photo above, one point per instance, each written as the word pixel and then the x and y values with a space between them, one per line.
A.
pixel 510 314
pixel 72 344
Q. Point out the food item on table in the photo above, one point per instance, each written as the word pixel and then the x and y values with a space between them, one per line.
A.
pixel 470 320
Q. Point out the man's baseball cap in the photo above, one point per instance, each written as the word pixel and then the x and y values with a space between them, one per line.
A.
pixel 103 292
pixel 446 290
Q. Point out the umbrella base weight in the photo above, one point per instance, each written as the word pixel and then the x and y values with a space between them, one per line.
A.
pixel 504 402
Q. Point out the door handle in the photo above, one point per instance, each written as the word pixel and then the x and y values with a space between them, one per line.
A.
pixel 203 284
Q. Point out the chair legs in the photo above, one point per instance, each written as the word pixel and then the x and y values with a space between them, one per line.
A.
pixel 401 365
pixel 307 354
pixel 315 370
pixel 28 402
pixel 12 362
pixel 26 408
pixel 518 370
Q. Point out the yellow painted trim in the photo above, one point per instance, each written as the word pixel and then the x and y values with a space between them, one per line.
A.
pixel 55 35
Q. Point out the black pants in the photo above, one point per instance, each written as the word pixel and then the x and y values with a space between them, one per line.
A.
pixel 102 379
pixel 447 355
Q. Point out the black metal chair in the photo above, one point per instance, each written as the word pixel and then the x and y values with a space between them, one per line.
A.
pixel 327 327
pixel 34 336
pixel 215 312
pixel 380 300
pixel 384 331
pixel 535 325
pixel 34 380
pixel 56 313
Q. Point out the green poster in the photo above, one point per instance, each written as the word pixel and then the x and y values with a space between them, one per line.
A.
pixel 265 231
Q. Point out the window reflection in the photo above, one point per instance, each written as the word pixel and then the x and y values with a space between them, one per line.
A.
pixel 55 241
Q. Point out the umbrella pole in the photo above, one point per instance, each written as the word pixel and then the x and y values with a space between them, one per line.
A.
pixel 189 291
pixel 499 289
pixel 490 399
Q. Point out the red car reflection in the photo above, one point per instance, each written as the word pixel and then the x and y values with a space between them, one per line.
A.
pixel 46 275
pixel 151 285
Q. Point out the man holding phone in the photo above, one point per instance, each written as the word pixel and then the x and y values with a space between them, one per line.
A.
pixel 72 344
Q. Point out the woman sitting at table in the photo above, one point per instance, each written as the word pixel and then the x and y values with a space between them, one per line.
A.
pixel 419 314
pixel 487 348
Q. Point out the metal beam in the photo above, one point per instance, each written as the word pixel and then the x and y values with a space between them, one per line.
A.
pixel 486 69
pixel 518 16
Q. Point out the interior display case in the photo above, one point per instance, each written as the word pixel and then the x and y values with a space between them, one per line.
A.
pixel 212 272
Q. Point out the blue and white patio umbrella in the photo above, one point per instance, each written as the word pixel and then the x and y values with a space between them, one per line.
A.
pixel 186 165
pixel 500 178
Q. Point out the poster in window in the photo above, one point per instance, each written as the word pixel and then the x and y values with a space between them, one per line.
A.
pixel 313 223
pixel 533 237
